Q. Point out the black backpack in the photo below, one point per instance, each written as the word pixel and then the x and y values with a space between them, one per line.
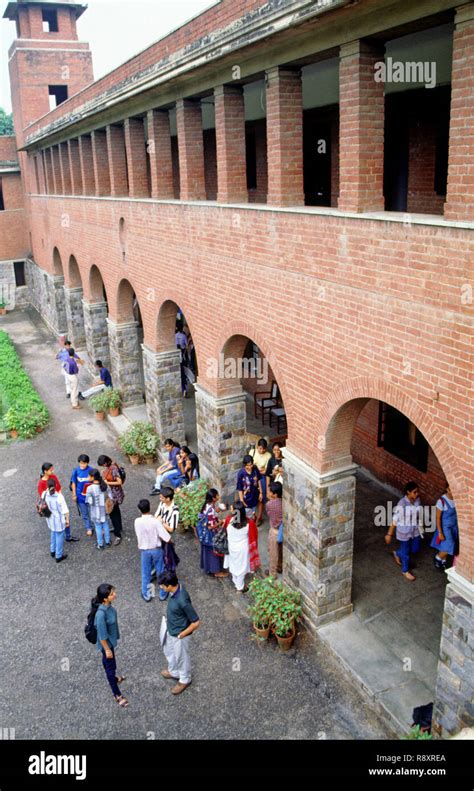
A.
pixel 123 474
pixel 90 630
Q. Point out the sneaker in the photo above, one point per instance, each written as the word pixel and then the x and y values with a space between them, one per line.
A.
pixel 117 541
pixel 68 395
pixel 154 492
pixel 53 554
pixel 167 674
pixel 108 544
pixel 73 538
pixel 81 397
pixel 58 560
pixel 100 547
pixel 179 688
pixel 146 598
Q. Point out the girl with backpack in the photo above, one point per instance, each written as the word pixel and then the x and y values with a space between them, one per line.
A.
pixel 208 524
pixel 446 537
pixel 108 635
pixel 57 521
pixel 113 476
pixel 96 499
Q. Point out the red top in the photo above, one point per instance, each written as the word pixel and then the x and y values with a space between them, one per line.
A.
pixel 43 485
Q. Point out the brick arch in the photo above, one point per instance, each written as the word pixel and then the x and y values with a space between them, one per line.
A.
pixel 58 268
pixel 74 279
pixel 164 340
pixel 344 405
pixel 121 307
pixel 95 285
pixel 234 337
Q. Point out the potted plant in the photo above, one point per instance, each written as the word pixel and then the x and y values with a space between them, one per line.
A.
pixel 3 308
pixel 285 609
pixel 189 501
pixel 261 591
pixel 99 405
pixel 128 444
pixel 113 401
pixel 147 440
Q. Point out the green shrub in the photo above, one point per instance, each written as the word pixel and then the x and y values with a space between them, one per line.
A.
pixel 189 501
pixel 141 438
pixel 417 733
pixel 112 398
pixel 98 402
pixel 23 409
pixel 275 604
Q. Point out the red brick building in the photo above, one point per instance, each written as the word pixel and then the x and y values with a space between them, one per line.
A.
pixel 295 174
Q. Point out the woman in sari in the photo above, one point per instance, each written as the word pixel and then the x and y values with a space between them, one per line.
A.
pixel 243 556
pixel 208 524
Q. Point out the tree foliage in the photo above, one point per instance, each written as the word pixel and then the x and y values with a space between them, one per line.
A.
pixel 6 123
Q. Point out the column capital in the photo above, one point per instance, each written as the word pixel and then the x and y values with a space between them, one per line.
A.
pixel 72 289
pixel 90 305
pixel 121 325
pixel 157 356
pixel 228 90
pixel 361 47
pixel 232 398
pixel 319 479
pixel 183 103
pixel 282 71
pixel 461 585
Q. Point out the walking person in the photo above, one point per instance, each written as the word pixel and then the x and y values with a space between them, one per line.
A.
pixel 47 473
pixel 208 524
pixel 63 357
pixel 95 498
pixel 113 479
pixel 407 521
pixel 243 557
pixel 181 621
pixel 275 514
pixel 108 635
pixel 57 521
pixel 168 513
pixel 150 534
pixel 79 482
pixel 72 377
pixel 446 537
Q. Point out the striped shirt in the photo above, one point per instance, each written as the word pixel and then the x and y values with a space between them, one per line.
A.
pixel 169 513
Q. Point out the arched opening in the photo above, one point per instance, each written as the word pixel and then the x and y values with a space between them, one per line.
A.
pixel 260 430
pixel 57 263
pixel 398 591
pixel 96 311
pixel 127 357
pixel 74 275
pixel 174 334
pixel 97 287
pixel 74 308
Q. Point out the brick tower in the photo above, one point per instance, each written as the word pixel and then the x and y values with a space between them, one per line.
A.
pixel 47 63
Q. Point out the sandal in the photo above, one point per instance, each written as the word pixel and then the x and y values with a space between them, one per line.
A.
pixel 120 679
pixel 123 702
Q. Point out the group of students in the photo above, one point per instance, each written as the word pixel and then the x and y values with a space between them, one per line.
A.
pixel 181 469
pixel 97 495
pixel 70 362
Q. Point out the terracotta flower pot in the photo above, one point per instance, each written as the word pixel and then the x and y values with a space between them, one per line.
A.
pixel 3 311
pixel 149 458
pixel 262 634
pixel 134 458
pixel 100 415
pixel 14 433
pixel 114 411
pixel 286 642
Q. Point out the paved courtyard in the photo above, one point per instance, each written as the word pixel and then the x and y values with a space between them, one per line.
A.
pixel 53 684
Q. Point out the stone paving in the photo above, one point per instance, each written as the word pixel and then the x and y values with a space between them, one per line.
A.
pixel 53 684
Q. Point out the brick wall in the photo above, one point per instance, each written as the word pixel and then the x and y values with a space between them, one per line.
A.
pixel 8 152
pixel 387 467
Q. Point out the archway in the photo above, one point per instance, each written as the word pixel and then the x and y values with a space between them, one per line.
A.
pixel 396 621
pixel 95 320
pixel 57 263
pixel 55 299
pixel 126 339
pixel 74 294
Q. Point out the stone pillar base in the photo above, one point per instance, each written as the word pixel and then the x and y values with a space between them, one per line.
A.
pixel 164 400
pixel 319 529
pixel 454 708
pixel 75 317
pixel 221 425
pixel 125 361
pixel 97 338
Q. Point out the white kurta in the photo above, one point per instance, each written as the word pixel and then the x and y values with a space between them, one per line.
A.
pixel 238 559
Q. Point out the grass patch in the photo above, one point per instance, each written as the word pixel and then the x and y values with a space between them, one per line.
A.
pixel 21 408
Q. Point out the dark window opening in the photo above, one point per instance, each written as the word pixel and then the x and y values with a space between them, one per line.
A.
pixel 395 181
pixel 50 21
pixel 316 158
pixel 57 95
pixel 2 204
pixel 399 436
pixel 251 159
pixel 19 267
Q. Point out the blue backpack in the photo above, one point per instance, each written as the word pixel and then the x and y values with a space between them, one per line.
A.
pixel 203 531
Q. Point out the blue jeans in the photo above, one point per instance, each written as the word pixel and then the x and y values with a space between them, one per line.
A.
pixel 150 558
pixel 407 548
pixel 161 479
pixel 57 543
pixel 175 479
pixel 102 530
pixel 84 510
pixel 110 667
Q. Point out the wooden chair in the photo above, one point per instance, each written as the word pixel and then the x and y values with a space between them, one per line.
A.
pixel 266 400
pixel 278 413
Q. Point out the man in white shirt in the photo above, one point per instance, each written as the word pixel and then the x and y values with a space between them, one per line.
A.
pixel 150 533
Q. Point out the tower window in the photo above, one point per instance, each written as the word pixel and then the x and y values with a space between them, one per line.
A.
pixel 57 95
pixel 50 21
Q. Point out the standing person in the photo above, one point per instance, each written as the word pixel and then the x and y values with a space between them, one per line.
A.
pixel 57 521
pixel 249 484
pixel 275 515
pixel 104 380
pixel 243 554
pixel 169 467
pixel 182 343
pixel 95 498
pixel 168 513
pixel 47 473
pixel 79 481
pixel 209 522
pixel 150 535
pixel 275 465
pixel 446 538
pixel 72 376
pixel 108 635
pixel 114 481
pixel 261 457
pixel 407 519
pixel 181 621
pixel 63 357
